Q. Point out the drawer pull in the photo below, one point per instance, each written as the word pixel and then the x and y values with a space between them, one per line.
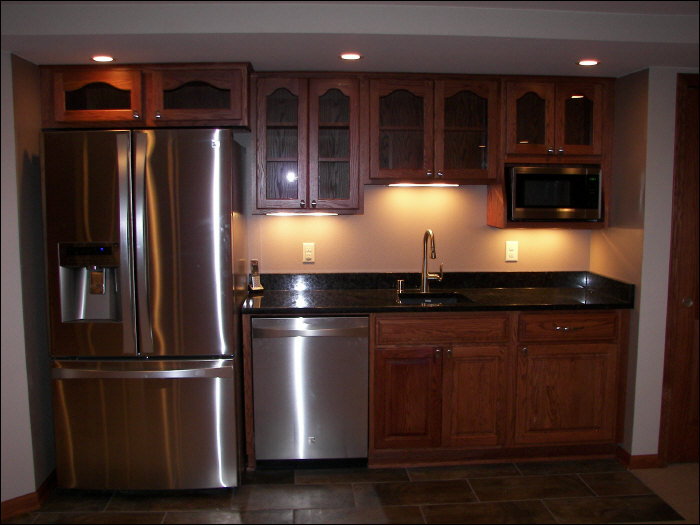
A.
pixel 566 328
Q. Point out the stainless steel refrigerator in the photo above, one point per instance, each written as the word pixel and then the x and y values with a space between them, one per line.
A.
pixel 141 231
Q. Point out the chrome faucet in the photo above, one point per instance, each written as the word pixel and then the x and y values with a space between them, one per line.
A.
pixel 425 274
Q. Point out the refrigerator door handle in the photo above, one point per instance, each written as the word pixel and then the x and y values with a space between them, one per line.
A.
pixel 182 373
pixel 126 273
pixel 141 141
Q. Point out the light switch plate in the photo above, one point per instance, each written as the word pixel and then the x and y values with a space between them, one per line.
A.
pixel 511 251
pixel 308 252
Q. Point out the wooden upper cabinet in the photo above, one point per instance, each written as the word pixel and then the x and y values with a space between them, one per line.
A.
pixel 433 130
pixel 83 95
pixel 334 144
pixel 466 130
pixel 554 117
pixel 308 144
pixel 145 95
pixel 282 143
pixel 401 130
pixel 216 93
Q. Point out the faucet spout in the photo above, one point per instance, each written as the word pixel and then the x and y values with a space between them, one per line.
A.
pixel 426 276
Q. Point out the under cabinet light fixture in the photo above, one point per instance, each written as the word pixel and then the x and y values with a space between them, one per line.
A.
pixel 102 58
pixel 588 62
pixel 351 56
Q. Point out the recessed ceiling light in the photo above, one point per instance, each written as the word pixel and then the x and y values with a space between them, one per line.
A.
pixel 588 62
pixel 351 56
pixel 102 58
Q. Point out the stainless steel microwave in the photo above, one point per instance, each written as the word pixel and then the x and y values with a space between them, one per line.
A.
pixel 554 193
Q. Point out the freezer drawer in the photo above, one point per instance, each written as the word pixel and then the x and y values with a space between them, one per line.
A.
pixel 145 425
pixel 310 387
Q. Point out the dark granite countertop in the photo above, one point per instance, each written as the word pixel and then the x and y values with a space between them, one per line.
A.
pixel 303 294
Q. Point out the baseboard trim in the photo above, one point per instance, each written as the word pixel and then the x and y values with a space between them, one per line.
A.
pixel 23 504
pixel 639 462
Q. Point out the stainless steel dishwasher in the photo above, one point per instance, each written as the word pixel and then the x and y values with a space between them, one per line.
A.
pixel 310 387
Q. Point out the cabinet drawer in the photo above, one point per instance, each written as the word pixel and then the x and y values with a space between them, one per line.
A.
pixel 568 326
pixel 445 328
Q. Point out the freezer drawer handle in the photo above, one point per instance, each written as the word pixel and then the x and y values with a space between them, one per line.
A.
pixel 316 332
pixel 186 373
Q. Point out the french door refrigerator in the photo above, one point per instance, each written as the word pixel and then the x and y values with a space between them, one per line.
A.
pixel 142 307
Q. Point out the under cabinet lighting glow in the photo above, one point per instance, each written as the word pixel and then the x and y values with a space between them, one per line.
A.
pixel 102 58
pixel 588 62
pixel 576 96
pixel 299 214
pixel 351 56
pixel 421 185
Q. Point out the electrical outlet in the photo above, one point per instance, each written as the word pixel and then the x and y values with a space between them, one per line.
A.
pixel 511 251
pixel 308 252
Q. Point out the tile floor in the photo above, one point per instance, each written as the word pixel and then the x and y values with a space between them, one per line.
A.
pixel 591 491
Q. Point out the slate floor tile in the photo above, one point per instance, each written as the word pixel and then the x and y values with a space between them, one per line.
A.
pixel 360 515
pixel 349 475
pixel 258 497
pixel 216 499
pixel 529 487
pixel 615 484
pixel 76 501
pixel 412 493
pixel 99 517
pixel 530 511
pixel 462 472
pixel 255 516
pixel 617 509
pixel 537 468
pixel 259 476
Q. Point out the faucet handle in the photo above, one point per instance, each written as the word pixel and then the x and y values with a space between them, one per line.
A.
pixel 436 276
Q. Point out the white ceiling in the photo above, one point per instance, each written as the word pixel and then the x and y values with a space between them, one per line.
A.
pixel 441 37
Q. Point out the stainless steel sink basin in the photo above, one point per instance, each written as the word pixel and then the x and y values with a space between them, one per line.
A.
pixel 431 298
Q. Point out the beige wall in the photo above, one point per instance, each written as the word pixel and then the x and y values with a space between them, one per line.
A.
pixel 388 237
pixel 617 251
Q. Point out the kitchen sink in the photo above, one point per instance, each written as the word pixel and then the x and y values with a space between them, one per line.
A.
pixel 430 298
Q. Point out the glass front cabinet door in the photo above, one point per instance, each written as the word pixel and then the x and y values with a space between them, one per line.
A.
pixel 308 144
pixel 81 95
pixel 334 144
pixel 430 131
pixel 554 118
pixel 198 94
pixel 466 130
pixel 401 130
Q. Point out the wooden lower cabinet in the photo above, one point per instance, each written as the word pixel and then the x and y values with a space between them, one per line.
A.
pixel 496 385
pixel 442 389
pixel 566 393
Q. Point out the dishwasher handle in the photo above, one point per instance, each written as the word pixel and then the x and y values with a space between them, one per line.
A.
pixel 355 331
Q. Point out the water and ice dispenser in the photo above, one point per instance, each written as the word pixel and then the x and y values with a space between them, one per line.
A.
pixel 89 281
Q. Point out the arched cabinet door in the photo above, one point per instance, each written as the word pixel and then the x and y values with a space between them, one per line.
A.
pixel 334 143
pixel 84 95
pixel 466 130
pixel 207 94
pixel 282 137
pixel 557 118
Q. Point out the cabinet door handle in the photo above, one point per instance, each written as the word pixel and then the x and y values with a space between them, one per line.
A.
pixel 688 302
pixel 437 351
pixel 560 151
pixel 429 174
pixel 524 350
pixel 449 352
pixel 550 150
pixel 313 204
pixel 157 114
pixel 439 174
pixel 302 203
pixel 136 115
